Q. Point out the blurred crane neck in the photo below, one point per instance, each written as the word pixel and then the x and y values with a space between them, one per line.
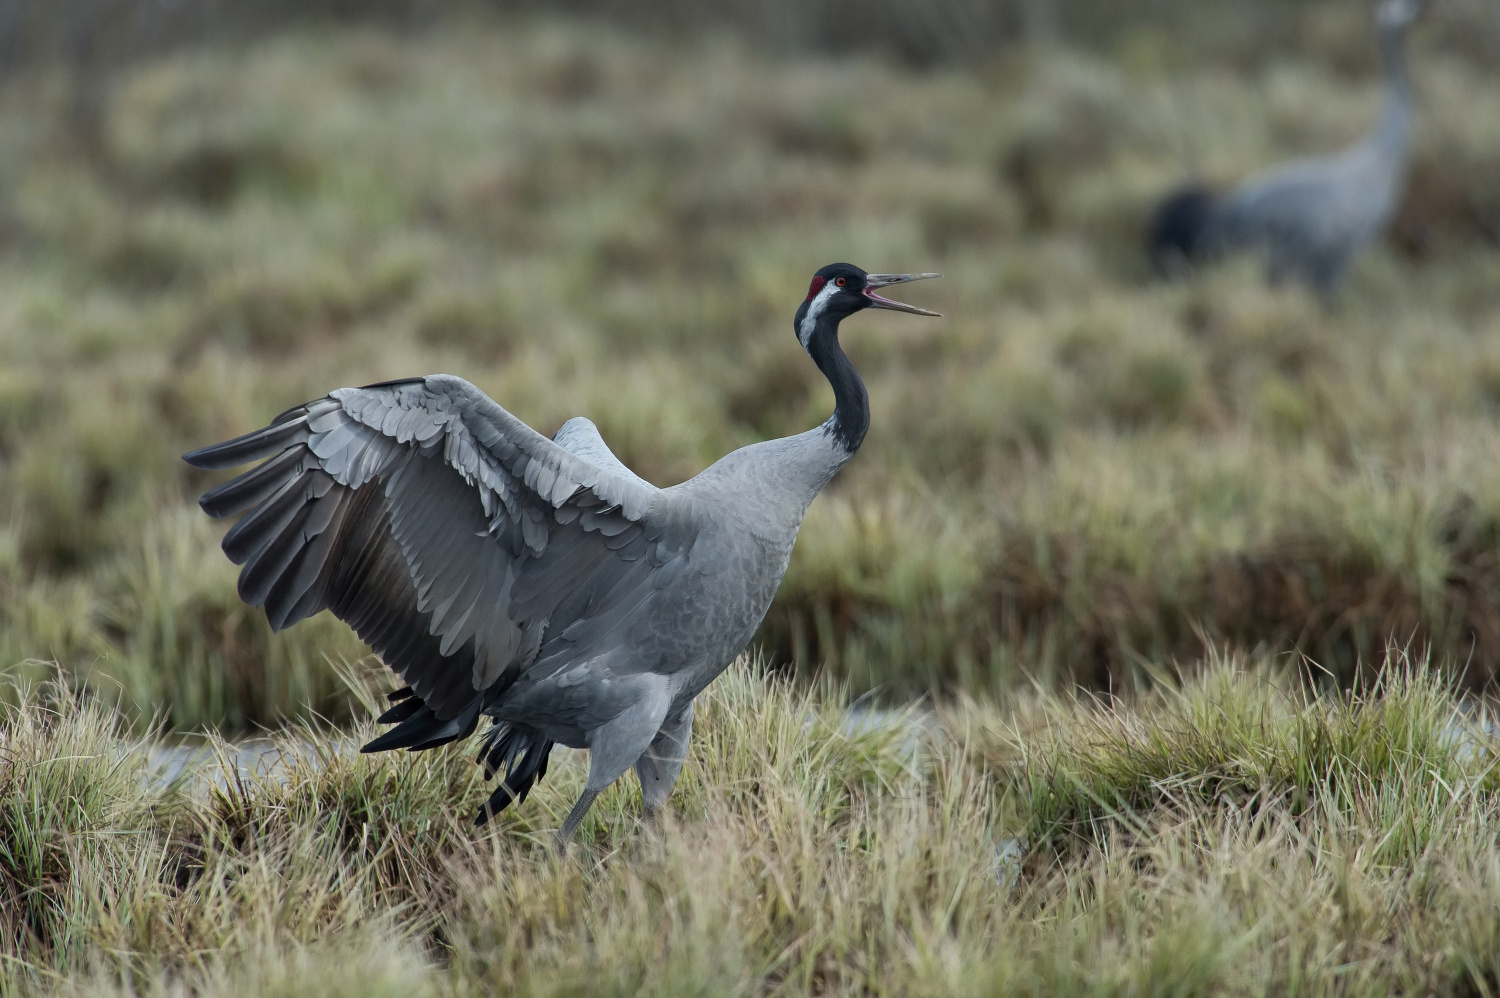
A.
pixel 851 410
pixel 1396 118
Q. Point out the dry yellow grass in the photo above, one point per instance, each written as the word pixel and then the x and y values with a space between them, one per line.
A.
pixel 1228 837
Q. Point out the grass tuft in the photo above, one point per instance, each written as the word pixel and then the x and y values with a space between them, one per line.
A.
pixel 1254 740
pixel 1227 833
pixel 73 813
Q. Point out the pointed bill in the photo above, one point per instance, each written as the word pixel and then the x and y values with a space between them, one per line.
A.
pixel 873 281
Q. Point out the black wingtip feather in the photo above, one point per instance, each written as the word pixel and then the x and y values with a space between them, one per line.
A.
pixel 407 733
pixel 251 488
pixel 400 712
pixel 275 556
pixel 423 729
pixel 266 523
pixel 250 447
pixel 394 383
pixel 454 729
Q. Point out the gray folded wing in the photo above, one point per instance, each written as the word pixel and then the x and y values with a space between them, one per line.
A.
pixel 450 535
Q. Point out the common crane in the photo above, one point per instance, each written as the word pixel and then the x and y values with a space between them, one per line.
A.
pixel 537 582
pixel 1310 217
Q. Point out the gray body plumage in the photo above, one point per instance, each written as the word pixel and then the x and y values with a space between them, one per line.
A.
pixel 538 582
pixel 1312 217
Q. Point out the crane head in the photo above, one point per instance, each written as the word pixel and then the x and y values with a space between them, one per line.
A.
pixel 1395 15
pixel 841 289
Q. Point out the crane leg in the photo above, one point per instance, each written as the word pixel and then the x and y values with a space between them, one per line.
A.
pixel 615 745
pixel 575 817
pixel 659 765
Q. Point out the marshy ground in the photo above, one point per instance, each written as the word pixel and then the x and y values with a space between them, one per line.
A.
pixel 1081 476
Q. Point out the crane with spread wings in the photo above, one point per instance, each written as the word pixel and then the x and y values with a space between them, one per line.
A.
pixel 537 582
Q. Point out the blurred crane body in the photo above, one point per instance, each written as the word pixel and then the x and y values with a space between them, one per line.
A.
pixel 537 582
pixel 1309 217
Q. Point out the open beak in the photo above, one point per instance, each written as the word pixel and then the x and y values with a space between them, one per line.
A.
pixel 873 281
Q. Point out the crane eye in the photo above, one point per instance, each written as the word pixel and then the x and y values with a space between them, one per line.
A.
pixel 841 281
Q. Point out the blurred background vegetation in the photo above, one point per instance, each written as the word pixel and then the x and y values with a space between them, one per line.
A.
pixel 210 211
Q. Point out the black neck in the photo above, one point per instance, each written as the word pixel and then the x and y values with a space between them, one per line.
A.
pixel 851 410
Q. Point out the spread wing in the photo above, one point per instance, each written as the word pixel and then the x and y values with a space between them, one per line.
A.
pixel 450 535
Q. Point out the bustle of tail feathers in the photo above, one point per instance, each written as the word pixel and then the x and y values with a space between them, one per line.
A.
pixel 520 752
pixel 523 754
pixel 1181 232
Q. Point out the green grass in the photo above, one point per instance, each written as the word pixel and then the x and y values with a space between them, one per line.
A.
pixel 1227 835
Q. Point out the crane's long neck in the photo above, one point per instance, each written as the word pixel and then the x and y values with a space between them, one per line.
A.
pixel 851 410
pixel 1395 121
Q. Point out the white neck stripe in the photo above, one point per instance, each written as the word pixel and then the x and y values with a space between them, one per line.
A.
pixel 814 310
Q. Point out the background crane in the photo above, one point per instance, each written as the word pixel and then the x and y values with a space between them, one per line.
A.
pixel 537 582
pixel 1310 217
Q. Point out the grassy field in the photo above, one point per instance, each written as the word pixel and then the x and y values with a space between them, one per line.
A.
pixel 1080 470
pixel 1228 836
pixel 1082 476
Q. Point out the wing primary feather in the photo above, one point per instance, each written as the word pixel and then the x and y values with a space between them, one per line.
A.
pixel 263 570
pixel 410 731
pixel 396 383
pixel 456 729
pixel 453 687
pixel 400 711
pixel 250 447
pixel 253 486
pixel 424 730
pixel 301 593
pixel 310 409
pixel 265 522
pixel 286 414
pixel 283 596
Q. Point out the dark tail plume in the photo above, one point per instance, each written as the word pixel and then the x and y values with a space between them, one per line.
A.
pixel 1181 231
pixel 523 754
